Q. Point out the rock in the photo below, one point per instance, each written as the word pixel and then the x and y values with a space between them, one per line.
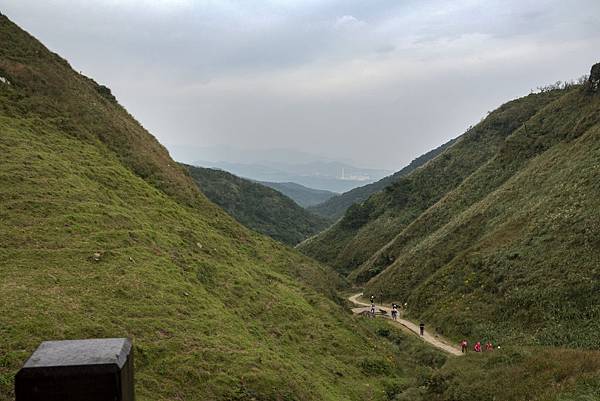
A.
pixel 97 256
pixel 593 84
pixel 4 80
pixel 199 245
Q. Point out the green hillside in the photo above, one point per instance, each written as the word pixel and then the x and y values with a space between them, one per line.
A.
pixel 103 235
pixel 497 236
pixel 258 207
pixel 517 241
pixel 302 195
pixel 368 226
pixel 336 206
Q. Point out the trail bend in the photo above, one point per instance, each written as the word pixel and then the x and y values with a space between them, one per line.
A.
pixel 407 325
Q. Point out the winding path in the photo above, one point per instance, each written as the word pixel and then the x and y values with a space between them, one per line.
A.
pixel 434 340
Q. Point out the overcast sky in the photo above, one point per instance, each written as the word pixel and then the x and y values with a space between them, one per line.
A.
pixel 379 82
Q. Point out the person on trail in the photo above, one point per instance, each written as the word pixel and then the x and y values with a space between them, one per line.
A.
pixel 463 346
pixel 489 346
pixel 394 312
pixel 477 347
pixel 422 328
pixel 372 299
pixel 372 310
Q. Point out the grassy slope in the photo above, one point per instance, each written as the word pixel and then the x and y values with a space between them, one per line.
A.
pixel 519 258
pixel 514 374
pixel 302 195
pixel 258 207
pixel 215 310
pixel 336 206
pixel 367 227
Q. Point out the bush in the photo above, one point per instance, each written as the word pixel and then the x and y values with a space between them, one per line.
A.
pixel 375 367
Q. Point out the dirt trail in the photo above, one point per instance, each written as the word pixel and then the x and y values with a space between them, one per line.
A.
pixel 434 340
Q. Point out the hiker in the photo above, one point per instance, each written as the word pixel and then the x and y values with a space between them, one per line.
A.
pixel 422 328
pixel 372 310
pixel 394 312
pixel 372 299
pixel 463 346
pixel 477 347
pixel 489 346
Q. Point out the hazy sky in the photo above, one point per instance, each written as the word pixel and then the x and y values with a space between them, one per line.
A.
pixel 376 81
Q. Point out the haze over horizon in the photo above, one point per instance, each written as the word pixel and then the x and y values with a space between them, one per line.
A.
pixel 378 83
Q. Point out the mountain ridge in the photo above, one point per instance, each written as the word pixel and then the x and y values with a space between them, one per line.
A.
pixel 335 207
pixel 320 175
pixel 257 206
pixel 302 195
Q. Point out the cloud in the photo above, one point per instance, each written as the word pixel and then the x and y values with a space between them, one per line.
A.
pixel 378 81
pixel 348 22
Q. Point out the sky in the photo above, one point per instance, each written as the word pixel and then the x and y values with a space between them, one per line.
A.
pixel 376 82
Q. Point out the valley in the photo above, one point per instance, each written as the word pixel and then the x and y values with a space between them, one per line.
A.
pixel 492 236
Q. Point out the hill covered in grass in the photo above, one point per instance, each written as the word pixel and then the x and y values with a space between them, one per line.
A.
pixel 336 206
pixel 368 226
pixel 497 236
pixel 104 235
pixel 302 195
pixel 258 207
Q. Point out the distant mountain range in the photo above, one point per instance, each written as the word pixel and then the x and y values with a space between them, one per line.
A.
pixel 336 206
pixel 322 175
pixel 302 195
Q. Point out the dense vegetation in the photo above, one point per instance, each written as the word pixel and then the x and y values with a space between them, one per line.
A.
pixel 336 206
pixel 498 236
pixel 256 206
pixel 302 195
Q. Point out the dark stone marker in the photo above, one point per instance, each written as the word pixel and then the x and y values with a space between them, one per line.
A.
pixel 78 370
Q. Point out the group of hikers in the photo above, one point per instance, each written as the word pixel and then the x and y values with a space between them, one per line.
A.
pixel 394 309
pixel 464 344
pixel 394 313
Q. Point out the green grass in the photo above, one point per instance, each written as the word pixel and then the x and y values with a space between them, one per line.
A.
pixel 497 236
pixel 257 206
pixel 103 235
pixel 215 310
pixel 518 259
pixel 369 226
pixel 211 315
pixel 516 374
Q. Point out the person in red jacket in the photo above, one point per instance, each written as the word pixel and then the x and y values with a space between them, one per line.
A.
pixel 489 346
pixel 477 347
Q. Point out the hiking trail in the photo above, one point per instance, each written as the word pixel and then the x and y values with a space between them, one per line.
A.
pixel 407 325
